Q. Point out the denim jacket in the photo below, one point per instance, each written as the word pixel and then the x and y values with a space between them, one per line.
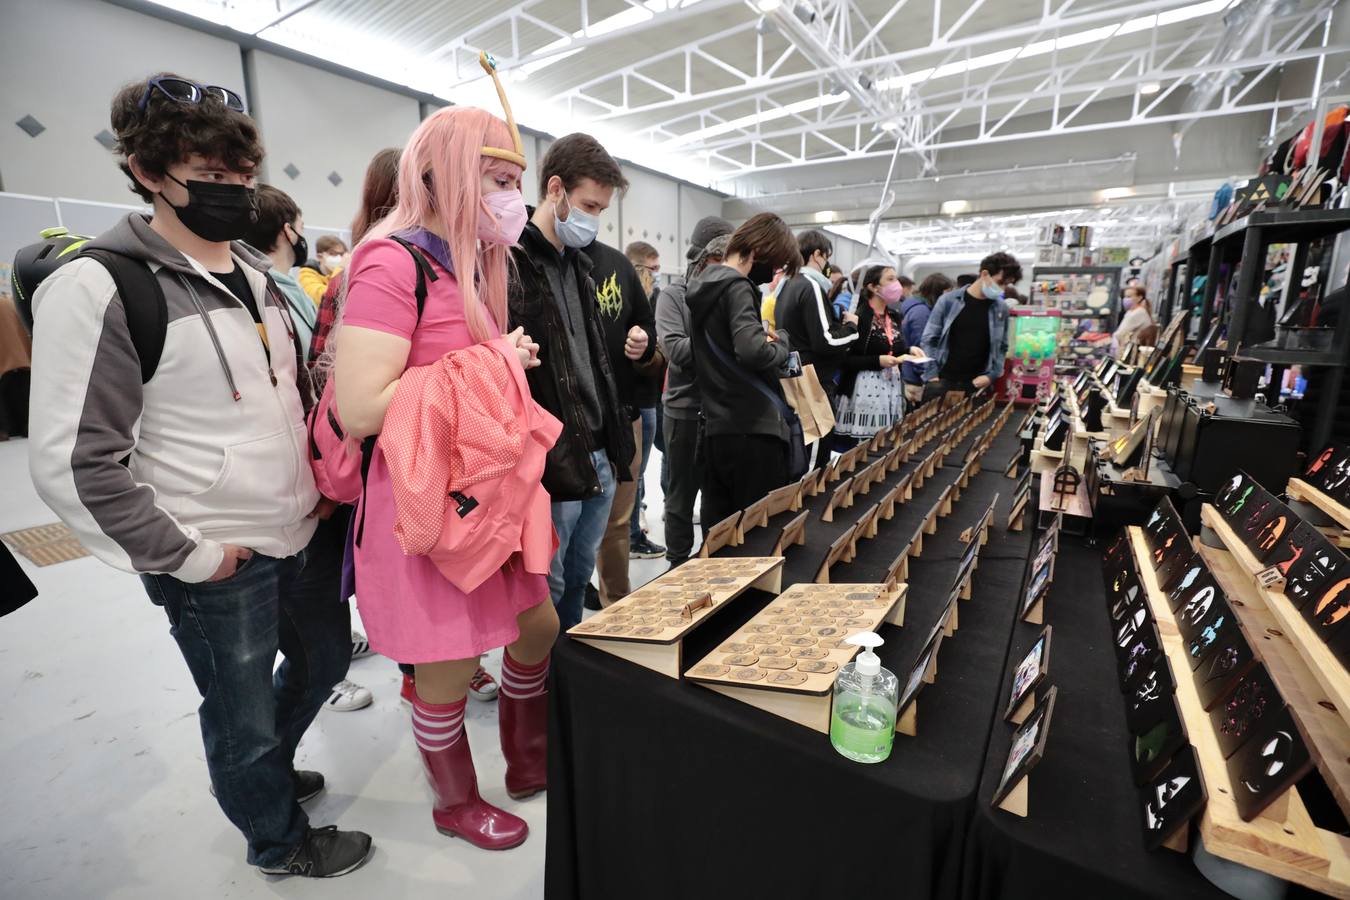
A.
pixel 936 332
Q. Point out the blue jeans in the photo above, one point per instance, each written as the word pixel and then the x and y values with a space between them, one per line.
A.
pixel 648 437
pixel 252 718
pixel 581 526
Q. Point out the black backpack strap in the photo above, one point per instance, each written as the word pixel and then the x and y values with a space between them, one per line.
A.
pixel 143 300
pixel 367 452
pixel 424 272
pixel 780 404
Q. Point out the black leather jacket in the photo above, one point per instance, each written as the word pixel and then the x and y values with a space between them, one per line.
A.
pixel 568 473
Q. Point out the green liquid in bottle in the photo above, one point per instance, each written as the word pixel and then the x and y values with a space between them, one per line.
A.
pixel 863 730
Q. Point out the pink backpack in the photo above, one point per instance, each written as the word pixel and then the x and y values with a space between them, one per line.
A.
pixel 337 460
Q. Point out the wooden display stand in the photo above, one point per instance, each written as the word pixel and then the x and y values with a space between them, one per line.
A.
pixel 1282 840
pixel 1024 709
pixel 725 533
pixel 659 646
pixel 804 691
pixel 1300 490
pixel 1036 615
pixel 1016 801
pixel 792 535
pixel 842 550
pixel 842 498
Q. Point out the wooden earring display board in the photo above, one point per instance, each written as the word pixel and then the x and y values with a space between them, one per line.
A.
pixel 1282 841
pixel 648 626
pixel 785 660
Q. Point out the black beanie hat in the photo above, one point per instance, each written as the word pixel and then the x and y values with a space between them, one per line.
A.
pixel 707 228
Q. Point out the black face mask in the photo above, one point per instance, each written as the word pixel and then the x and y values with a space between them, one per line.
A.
pixel 216 212
pixel 761 273
pixel 301 248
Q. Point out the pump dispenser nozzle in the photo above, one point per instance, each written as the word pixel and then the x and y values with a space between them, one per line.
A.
pixel 868 663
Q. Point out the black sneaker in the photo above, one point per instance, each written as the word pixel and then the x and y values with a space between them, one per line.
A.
pixel 592 600
pixel 642 548
pixel 308 785
pixel 325 853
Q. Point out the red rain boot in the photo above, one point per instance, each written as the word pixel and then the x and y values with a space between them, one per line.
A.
pixel 409 689
pixel 524 731
pixel 460 811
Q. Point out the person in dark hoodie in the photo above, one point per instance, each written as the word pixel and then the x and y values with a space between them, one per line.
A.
pixel 198 477
pixel 707 246
pixel 803 311
pixel 745 445
pixel 552 295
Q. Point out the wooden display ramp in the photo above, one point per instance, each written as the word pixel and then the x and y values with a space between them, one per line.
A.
pixel 1300 490
pixel 1282 841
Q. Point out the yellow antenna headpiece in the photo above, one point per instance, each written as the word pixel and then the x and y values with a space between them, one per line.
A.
pixel 489 64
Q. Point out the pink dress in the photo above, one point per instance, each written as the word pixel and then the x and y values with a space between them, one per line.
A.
pixel 412 614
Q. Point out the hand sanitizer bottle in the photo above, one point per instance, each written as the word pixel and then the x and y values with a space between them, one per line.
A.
pixel 862 720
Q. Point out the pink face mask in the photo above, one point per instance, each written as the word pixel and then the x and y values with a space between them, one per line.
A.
pixel 506 219
pixel 892 292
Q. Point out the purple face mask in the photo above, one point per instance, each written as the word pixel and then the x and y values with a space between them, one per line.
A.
pixel 1128 303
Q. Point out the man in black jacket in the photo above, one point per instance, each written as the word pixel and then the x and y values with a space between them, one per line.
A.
pixel 822 340
pixel 737 366
pixel 553 296
pixel 629 324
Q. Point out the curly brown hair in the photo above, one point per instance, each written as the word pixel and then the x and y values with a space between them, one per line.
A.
pixel 167 132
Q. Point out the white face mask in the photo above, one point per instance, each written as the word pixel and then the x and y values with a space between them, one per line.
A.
pixel 332 261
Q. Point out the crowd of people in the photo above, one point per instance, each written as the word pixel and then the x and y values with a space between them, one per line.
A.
pixel 451 422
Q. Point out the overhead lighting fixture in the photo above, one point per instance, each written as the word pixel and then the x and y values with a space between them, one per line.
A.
pixel 1117 193
pixel 1150 87
pixel 768 6
pixel 955 207
pixel 826 216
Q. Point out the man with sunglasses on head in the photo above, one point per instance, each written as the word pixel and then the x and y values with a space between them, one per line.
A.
pixel 195 475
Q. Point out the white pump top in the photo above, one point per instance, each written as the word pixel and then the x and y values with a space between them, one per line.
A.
pixel 867 663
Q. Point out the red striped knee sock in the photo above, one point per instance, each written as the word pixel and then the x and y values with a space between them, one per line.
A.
pixel 437 726
pixel 521 682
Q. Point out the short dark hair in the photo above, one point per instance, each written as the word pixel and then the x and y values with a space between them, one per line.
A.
pixel 934 286
pixel 577 156
pixel 275 210
pixel 1004 264
pixel 769 239
pixel 639 252
pixel 905 281
pixel 966 279
pixel 812 242
pixel 167 132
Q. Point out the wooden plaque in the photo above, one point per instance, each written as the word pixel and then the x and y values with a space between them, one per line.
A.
pixel 723 534
pixel 840 551
pixel 842 498
pixel 793 534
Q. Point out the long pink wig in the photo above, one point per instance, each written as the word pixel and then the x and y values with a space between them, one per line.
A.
pixel 440 189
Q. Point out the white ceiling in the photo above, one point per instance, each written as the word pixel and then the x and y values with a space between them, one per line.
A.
pixel 764 98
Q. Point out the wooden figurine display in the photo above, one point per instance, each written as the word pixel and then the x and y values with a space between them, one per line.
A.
pixel 785 659
pixel 648 626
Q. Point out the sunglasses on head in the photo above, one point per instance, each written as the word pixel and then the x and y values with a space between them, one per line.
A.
pixel 181 90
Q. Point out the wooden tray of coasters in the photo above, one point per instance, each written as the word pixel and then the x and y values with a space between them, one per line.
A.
pixel 649 625
pixel 786 658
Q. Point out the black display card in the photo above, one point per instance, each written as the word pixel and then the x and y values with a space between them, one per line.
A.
pixel 1172 545
pixel 1263 517
pixel 1317 470
pixel 1339 645
pixel 1270 541
pixel 1231 659
pixel 1335 481
pixel 1118 549
pixel 1171 575
pixel 1217 626
pixel 1175 562
pixel 1330 609
pixel 1156 742
pixel 1268 764
pixel 1245 710
pixel 1142 652
pixel 1172 799
pixel 1124 604
pixel 1204 596
pixel 1191 575
pixel 1316 568
pixel 1234 494
pixel 1292 546
pixel 1163 518
pixel 1130 628
pixel 1151 686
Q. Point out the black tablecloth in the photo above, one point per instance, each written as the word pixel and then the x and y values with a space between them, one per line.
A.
pixel 659 788
pixel 1083 836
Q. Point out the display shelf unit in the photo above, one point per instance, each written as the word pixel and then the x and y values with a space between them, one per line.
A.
pixel 1085 283
pixel 1300 490
pixel 1282 841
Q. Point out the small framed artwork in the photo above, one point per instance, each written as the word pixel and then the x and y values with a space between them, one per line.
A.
pixel 1244 711
pixel 1036 587
pixel 1151 686
pixel 1143 652
pixel 1268 765
pixel 1154 744
pixel 1312 572
pixel 1226 665
pixel 1028 746
pixel 1169 801
pixel 917 674
pixel 1030 672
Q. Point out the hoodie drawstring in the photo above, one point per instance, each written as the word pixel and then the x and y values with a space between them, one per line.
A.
pixel 215 340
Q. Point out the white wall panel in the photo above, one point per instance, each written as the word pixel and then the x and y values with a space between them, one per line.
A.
pixel 62 61
pixel 323 123
pixel 651 211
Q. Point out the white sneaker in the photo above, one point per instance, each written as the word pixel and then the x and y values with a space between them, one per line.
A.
pixel 483 686
pixel 347 697
pixel 360 646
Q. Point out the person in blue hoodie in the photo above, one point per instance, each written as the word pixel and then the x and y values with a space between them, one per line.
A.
pixel 914 312
pixel 967 333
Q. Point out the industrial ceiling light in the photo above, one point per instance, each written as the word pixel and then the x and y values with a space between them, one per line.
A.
pixel 1150 87
pixel 826 216
pixel 1117 193
pixel 768 6
pixel 954 207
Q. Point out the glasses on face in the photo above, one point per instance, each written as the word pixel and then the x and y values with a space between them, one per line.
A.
pixel 181 90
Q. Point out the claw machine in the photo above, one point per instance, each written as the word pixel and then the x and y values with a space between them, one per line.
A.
pixel 1033 344
pixel 1087 299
